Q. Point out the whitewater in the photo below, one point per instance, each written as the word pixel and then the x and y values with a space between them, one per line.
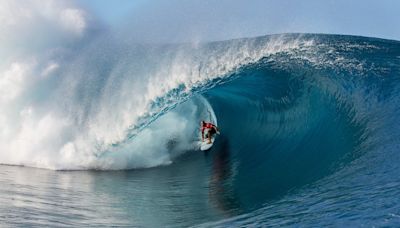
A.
pixel 98 130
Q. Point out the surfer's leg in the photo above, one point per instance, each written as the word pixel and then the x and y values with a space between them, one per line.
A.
pixel 211 132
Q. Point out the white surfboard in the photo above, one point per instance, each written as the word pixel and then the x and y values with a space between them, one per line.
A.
pixel 205 145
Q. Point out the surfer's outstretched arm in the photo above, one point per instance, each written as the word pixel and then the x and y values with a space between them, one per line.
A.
pixel 216 129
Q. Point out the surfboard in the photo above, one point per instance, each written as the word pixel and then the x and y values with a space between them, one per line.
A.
pixel 205 145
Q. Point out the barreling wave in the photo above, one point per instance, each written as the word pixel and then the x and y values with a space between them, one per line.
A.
pixel 294 110
pixel 92 100
pixel 112 105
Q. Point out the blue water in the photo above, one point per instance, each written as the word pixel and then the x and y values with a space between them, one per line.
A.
pixel 309 137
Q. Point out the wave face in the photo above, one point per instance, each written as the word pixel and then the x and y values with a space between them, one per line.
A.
pixel 308 122
pixel 324 117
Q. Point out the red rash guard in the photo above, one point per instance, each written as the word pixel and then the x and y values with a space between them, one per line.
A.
pixel 207 126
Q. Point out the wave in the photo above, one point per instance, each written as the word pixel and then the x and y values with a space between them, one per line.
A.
pixel 104 105
pixel 294 110
pixel 87 99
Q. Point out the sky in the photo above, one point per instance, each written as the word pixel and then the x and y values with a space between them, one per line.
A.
pixel 178 20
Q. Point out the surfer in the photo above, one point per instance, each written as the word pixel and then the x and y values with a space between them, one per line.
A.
pixel 211 130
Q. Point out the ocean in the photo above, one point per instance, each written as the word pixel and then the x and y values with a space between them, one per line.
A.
pixel 108 135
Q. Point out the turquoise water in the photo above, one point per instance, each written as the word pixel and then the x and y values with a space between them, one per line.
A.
pixel 182 194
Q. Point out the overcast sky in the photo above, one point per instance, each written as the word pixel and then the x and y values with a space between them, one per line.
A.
pixel 202 20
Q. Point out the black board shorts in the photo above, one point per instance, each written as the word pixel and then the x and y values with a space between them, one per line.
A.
pixel 212 131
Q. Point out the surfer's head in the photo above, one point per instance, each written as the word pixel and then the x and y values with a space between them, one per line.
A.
pixel 203 123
